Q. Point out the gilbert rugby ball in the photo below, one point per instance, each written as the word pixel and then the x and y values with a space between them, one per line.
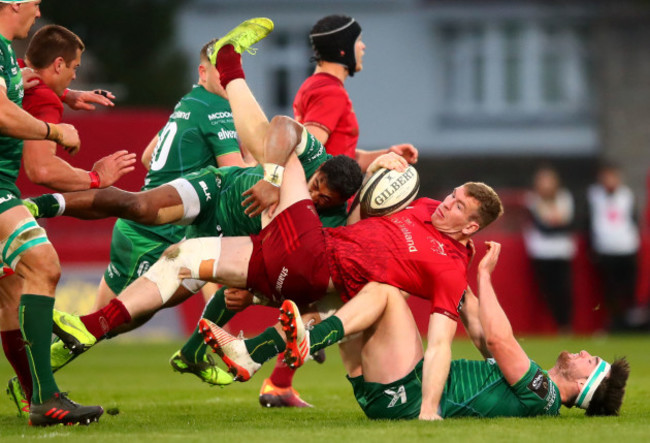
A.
pixel 388 191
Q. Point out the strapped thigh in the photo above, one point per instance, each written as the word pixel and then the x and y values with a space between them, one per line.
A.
pixel 26 234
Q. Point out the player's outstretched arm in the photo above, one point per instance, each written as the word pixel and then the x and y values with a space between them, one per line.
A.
pixel 501 342
pixel 437 361
pixel 17 123
pixel 44 167
pixel 405 150
pixel 470 318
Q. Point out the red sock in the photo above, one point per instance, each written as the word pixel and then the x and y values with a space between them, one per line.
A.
pixel 282 375
pixel 14 348
pixel 229 65
pixel 106 319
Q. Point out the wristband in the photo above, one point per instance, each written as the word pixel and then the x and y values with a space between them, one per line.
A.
pixel 53 133
pixel 273 174
pixel 94 179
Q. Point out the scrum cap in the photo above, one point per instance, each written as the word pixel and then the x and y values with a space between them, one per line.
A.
pixel 333 38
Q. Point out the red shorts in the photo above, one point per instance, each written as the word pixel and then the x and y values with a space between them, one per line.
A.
pixel 288 260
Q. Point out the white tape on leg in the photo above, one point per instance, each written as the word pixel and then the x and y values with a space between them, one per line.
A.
pixel 187 254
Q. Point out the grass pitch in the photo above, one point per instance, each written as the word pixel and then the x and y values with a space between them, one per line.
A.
pixel 156 404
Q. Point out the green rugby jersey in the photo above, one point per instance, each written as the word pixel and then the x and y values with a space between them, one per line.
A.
pixel 478 389
pixel 11 149
pixel 200 129
pixel 220 192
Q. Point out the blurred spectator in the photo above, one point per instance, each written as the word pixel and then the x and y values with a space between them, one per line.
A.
pixel 614 239
pixel 550 244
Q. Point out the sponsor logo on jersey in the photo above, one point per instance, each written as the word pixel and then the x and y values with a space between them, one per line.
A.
pixel 316 155
pixel 398 395
pixel 539 384
pixel 226 134
pixel 551 400
pixel 222 114
pixel 181 115
pixel 208 196
pixel 283 275
pixel 437 246
pixel 408 236
pixel 395 185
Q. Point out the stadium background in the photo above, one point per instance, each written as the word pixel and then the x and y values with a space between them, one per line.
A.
pixel 485 89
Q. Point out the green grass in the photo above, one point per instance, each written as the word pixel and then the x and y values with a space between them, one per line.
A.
pixel 157 404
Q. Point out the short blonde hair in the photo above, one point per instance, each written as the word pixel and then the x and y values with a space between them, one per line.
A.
pixel 490 206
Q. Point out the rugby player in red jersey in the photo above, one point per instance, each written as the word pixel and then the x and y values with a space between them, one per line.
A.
pixel 323 105
pixel 54 54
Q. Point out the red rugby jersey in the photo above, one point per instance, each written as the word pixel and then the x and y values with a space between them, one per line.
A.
pixel 323 101
pixel 403 250
pixel 42 102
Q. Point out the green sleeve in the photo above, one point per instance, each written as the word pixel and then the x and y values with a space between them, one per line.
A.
pixel 537 392
pixel 313 156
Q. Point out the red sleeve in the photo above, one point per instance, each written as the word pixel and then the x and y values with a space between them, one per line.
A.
pixel 325 107
pixel 447 292
pixel 43 103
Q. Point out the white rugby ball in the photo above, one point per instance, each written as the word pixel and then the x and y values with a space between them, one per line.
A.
pixel 388 191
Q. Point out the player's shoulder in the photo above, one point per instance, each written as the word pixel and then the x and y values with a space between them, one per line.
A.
pixel 202 98
pixel 323 84
pixel 41 96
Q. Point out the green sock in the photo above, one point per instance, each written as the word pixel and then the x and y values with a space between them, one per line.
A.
pixel 194 349
pixel 265 346
pixel 36 325
pixel 326 333
pixel 47 205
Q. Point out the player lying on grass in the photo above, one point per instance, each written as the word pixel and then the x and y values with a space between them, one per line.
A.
pixel 384 360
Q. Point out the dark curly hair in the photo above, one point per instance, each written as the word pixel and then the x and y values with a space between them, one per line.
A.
pixel 343 175
pixel 608 397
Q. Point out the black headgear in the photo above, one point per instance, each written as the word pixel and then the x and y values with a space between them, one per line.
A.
pixel 333 38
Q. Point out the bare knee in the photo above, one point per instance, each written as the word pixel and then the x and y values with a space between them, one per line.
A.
pixel 39 266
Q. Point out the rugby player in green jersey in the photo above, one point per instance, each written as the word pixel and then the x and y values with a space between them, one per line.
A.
pixel 25 320
pixel 384 359
pixel 53 55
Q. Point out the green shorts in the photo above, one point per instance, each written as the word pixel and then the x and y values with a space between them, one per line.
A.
pixel 399 400
pixel 134 248
pixel 9 199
